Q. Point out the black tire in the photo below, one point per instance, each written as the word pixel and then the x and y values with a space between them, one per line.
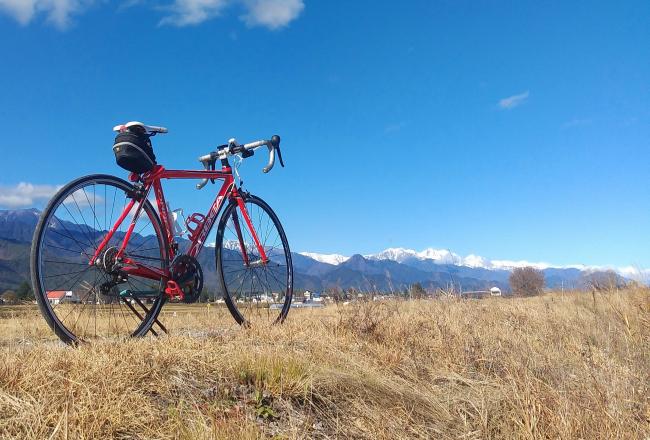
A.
pixel 60 239
pixel 250 303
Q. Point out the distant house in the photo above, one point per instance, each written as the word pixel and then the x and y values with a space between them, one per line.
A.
pixel 477 294
pixel 309 296
pixel 55 297
pixel 265 298
pixel 495 291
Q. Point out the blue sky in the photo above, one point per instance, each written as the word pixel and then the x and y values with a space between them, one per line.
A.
pixel 512 130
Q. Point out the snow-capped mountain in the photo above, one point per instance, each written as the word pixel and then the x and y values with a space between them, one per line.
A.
pixel 471 266
pixel 334 259
pixel 440 256
pixel 445 256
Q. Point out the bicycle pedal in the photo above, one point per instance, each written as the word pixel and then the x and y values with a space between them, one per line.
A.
pixel 173 291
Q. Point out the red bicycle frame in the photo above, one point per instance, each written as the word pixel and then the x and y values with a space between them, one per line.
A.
pixel 197 236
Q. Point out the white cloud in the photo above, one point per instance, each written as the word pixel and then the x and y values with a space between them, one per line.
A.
pixel 513 101
pixel 21 10
pixel 81 198
pixel 190 12
pixel 128 4
pixel 272 14
pixel 58 12
pixel 25 194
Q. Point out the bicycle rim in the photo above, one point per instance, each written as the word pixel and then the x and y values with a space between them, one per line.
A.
pixel 83 302
pixel 255 292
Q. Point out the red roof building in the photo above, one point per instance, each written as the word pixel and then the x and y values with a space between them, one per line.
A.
pixel 56 296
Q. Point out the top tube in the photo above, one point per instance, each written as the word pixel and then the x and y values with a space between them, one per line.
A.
pixel 160 172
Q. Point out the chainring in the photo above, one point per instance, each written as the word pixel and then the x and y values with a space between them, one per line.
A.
pixel 187 273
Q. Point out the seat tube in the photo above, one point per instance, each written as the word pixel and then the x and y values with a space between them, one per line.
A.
pixel 163 213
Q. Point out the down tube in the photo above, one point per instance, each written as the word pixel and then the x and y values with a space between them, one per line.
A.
pixel 198 238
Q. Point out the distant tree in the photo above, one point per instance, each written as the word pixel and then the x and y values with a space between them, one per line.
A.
pixel 204 297
pixel 10 297
pixel 335 293
pixel 417 291
pixel 527 281
pixel 603 281
pixel 25 292
pixel 351 293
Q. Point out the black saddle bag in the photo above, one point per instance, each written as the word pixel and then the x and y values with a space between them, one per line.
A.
pixel 134 152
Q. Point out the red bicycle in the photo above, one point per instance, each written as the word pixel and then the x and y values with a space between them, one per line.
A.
pixel 104 261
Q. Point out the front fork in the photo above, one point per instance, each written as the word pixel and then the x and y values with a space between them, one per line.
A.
pixel 240 237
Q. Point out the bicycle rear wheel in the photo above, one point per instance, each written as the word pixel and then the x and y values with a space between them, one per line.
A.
pixel 82 301
pixel 254 291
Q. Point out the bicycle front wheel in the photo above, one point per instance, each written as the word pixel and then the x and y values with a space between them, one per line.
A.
pixel 82 301
pixel 254 290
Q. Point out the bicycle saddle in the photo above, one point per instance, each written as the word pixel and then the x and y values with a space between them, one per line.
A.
pixel 151 129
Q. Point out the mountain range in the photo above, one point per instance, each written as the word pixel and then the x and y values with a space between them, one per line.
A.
pixel 391 270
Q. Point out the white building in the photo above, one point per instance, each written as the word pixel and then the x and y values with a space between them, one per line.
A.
pixel 495 291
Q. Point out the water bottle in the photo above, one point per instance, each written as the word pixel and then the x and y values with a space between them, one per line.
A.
pixel 175 217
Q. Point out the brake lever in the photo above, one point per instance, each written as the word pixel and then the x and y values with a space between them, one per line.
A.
pixel 275 140
pixel 280 155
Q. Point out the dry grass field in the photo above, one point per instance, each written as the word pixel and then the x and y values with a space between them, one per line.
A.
pixel 557 366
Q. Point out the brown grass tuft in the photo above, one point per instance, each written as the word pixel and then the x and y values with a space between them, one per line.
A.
pixel 554 366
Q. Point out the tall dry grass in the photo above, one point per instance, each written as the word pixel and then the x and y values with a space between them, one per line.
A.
pixel 555 366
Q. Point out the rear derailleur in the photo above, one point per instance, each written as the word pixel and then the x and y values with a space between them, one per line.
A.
pixel 108 263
